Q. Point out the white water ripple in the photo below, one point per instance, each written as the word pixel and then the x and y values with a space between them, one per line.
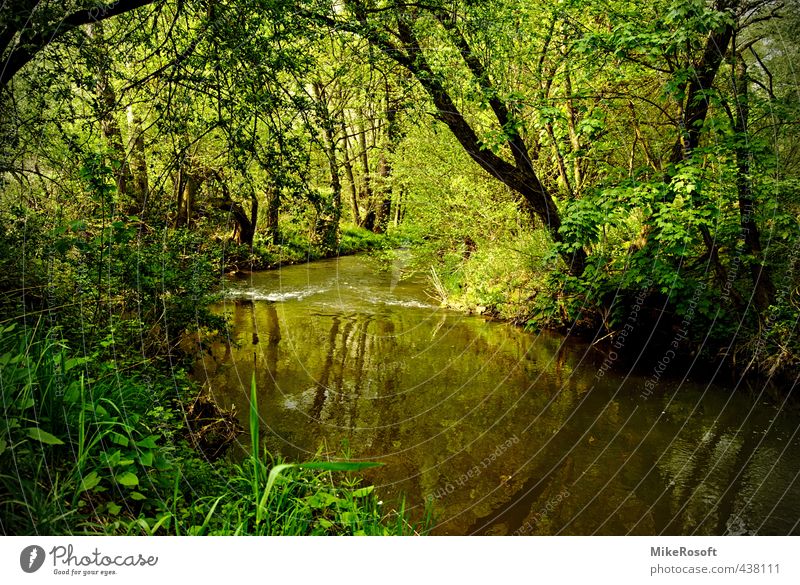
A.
pixel 274 297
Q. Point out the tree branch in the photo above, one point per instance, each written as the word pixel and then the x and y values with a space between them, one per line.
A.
pixel 29 46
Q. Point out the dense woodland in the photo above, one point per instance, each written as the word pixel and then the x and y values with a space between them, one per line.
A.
pixel 560 164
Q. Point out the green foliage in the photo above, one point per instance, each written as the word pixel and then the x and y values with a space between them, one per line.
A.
pixel 357 239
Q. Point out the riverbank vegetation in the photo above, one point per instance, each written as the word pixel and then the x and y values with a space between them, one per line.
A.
pixel 625 171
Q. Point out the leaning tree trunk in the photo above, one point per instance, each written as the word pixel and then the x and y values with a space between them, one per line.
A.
pixel 244 226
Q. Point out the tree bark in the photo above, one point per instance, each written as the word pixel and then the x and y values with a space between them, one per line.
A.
pixel 140 190
pixel 191 186
pixel 244 225
pixel 368 219
pixel 763 288
pixel 348 169
pixel 106 103
pixel 384 201
pixel 697 100
pixel 694 112
pixel 329 225
pixel 273 210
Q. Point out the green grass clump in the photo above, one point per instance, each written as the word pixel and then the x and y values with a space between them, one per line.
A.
pixel 357 239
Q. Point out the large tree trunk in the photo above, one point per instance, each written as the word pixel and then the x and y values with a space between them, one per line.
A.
pixel 273 211
pixel 368 218
pixel 191 187
pixel 398 208
pixel 106 103
pixel 329 226
pixel 244 225
pixel 180 185
pixel 247 237
pixel 383 211
pixel 351 180
pixel 139 183
pixel 383 203
pixel 695 111
pixel 763 288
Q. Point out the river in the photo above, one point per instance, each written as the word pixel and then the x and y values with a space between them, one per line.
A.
pixel 500 430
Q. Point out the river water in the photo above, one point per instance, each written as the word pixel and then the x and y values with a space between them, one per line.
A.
pixel 501 431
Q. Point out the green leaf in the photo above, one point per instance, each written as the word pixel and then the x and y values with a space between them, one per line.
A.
pixel 146 458
pixel 161 463
pixel 113 508
pixel 43 436
pixel 112 459
pixel 137 496
pixel 128 479
pixel 24 404
pixel 322 500
pixel 89 482
pixel 2 446
pixel 365 491
pixel 147 442
pixel 348 517
pixel 254 418
pixel 72 362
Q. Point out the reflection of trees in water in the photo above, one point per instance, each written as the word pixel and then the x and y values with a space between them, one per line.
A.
pixel 322 379
pixel 370 378
pixel 726 507
pixel 273 341
pixel 356 387
pixel 720 475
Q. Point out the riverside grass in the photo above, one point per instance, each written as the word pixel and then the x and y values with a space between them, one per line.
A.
pixel 84 450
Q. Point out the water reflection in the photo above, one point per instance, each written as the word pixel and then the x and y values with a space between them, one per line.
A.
pixel 503 431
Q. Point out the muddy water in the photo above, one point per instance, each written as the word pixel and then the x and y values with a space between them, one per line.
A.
pixel 503 431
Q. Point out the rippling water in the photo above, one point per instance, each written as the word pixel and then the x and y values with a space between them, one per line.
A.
pixel 503 431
